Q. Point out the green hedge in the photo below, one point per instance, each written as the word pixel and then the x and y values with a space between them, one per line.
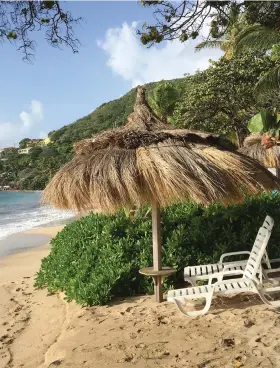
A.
pixel 98 257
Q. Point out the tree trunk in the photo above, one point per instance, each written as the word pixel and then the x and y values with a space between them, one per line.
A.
pixel 240 137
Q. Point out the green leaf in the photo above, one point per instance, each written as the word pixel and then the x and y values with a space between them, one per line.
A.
pixel 256 123
pixel 262 122
pixel 278 117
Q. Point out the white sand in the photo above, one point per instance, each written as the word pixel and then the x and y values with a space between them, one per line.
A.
pixel 37 330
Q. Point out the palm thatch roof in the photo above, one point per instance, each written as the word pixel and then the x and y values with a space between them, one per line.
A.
pixel 149 160
pixel 268 157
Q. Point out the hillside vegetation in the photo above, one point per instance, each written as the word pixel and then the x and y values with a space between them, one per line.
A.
pixel 109 115
pixel 34 170
pixel 106 116
pixel 220 99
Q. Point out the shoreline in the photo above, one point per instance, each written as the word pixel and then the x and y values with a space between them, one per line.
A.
pixel 20 190
pixel 22 242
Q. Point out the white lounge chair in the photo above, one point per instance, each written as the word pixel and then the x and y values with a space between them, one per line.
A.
pixel 209 272
pixel 251 281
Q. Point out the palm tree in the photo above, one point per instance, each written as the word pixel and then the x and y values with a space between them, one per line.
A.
pixel 163 100
pixel 266 39
pixel 226 44
pixel 235 23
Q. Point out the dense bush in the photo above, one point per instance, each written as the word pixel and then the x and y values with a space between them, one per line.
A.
pixel 98 257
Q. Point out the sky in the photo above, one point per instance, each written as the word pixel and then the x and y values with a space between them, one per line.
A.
pixel 60 87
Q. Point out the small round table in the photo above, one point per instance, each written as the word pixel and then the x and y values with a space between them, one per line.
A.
pixel 158 277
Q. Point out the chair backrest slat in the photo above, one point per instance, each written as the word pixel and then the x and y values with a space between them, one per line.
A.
pixel 267 224
pixel 257 253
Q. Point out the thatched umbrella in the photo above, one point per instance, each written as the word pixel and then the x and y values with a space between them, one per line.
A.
pixel 268 157
pixel 149 161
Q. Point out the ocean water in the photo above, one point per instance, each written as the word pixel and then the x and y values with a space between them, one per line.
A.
pixel 21 211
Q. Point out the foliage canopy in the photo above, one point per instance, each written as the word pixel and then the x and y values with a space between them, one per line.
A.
pixel 188 19
pixel 222 97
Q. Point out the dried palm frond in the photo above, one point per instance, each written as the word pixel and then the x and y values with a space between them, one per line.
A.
pixel 254 138
pixel 267 157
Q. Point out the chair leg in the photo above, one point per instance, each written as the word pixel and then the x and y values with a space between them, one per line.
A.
pixel 195 313
pixel 191 280
pixel 270 303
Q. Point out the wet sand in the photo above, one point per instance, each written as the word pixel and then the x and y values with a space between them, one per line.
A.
pixel 21 242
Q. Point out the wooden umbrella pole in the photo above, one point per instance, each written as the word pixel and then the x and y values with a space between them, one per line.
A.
pixel 157 250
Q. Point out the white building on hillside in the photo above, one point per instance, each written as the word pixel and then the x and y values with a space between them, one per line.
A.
pixel 24 151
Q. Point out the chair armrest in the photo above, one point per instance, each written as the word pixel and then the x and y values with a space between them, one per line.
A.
pixel 269 275
pixel 233 254
pixel 272 270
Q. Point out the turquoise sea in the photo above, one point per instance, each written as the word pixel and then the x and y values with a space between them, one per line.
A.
pixel 20 211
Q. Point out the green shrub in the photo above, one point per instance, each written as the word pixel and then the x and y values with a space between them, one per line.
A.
pixel 98 257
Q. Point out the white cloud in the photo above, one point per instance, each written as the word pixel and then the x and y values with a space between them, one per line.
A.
pixel 34 116
pixel 128 58
pixel 12 133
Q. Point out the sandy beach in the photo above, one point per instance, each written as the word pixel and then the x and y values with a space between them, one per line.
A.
pixel 23 241
pixel 38 330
